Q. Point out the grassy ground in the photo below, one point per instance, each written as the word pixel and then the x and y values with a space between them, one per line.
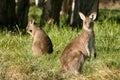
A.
pixel 18 63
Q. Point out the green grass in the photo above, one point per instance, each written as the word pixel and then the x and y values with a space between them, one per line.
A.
pixel 18 63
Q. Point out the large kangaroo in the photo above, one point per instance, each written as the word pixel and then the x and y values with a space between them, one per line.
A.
pixel 41 41
pixel 75 53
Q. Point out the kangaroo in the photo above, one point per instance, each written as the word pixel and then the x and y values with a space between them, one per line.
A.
pixel 75 53
pixel 41 41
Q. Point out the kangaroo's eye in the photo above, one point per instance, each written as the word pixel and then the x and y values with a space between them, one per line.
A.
pixel 30 30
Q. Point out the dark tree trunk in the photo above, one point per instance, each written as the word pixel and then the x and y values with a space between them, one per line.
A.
pixel 7 12
pixel 22 13
pixel 11 13
pixel 46 12
pixel 56 8
pixel 51 10
pixel 84 6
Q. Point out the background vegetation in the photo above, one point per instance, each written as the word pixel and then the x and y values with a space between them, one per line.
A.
pixel 18 63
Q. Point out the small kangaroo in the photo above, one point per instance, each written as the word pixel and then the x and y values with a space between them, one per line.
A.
pixel 75 53
pixel 41 41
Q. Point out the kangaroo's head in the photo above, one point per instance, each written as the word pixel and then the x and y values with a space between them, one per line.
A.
pixel 30 26
pixel 88 20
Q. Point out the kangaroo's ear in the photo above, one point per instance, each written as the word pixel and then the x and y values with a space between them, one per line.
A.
pixel 32 21
pixel 93 15
pixel 82 16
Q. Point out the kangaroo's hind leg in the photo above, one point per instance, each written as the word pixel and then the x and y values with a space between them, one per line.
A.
pixel 76 64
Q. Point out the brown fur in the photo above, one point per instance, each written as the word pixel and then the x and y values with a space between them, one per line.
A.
pixel 75 53
pixel 41 41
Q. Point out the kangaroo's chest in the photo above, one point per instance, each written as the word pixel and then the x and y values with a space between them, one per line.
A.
pixel 88 45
